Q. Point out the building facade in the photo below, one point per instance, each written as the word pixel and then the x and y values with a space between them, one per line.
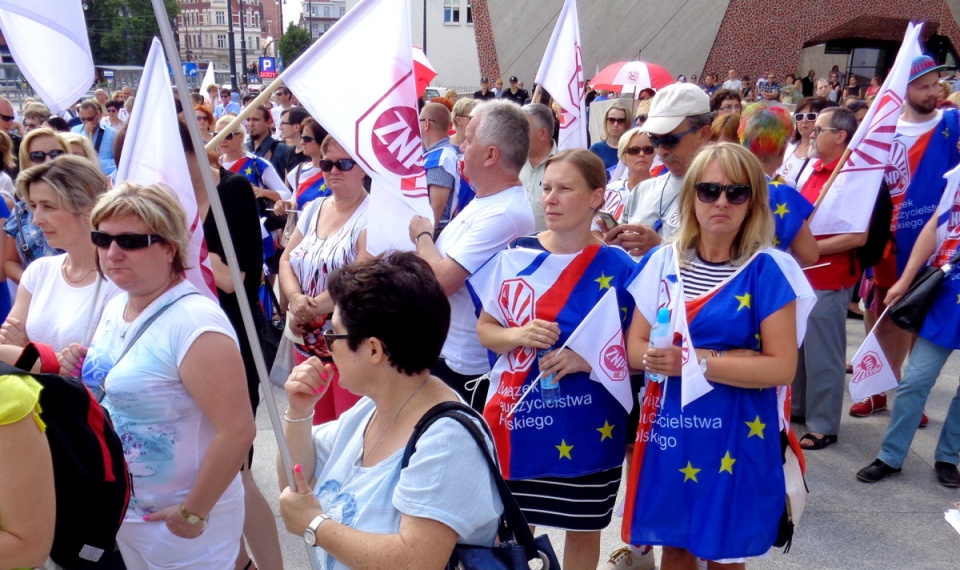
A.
pixel 318 16
pixel 203 34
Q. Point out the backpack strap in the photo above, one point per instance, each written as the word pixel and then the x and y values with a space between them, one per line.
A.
pixel 512 520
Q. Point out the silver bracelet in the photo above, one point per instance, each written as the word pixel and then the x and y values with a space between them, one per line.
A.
pixel 310 417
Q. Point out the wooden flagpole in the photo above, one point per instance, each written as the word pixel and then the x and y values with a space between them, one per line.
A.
pixel 829 184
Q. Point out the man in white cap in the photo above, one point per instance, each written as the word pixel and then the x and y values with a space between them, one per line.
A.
pixel 678 126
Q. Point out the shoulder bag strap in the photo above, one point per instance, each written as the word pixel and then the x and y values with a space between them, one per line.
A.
pixel 512 515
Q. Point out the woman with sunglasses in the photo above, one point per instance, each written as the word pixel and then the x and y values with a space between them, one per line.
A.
pixel 29 243
pixel 534 295
pixel 259 171
pixel 306 180
pixel 60 297
pixel 181 414
pixel 636 154
pixel 204 117
pixel 614 124
pixel 331 233
pixel 718 458
pixel 112 118
pixel 797 166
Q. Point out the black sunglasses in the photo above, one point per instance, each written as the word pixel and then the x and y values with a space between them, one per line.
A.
pixel 343 165
pixel 7 118
pixel 709 192
pixel 39 156
pixel 230 136
pixel 640 119
pixel 616 121
pixel 125 241
pixel 307 138
pixel 669 141
pixel 805 116
pixel 635 150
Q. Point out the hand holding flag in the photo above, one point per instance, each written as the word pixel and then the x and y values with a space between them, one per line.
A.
pixel 872 373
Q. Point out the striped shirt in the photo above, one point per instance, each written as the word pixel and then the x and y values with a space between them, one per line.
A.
pixel 701 276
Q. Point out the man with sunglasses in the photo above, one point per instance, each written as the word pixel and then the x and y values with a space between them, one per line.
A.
pixel 227 105
pixel 440 161
pixel 678 126
pixel 101 137
pixel 8 124
pixel 284 99
pixel 542 147
pixel 819 384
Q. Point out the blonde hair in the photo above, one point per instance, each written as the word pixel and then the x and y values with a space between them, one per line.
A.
pixel 626 138
pixel 224 121
pixel 36 134
pixel 88 150
pixel 76 181
pixel 6 151
pixel 954 98
pixel 741 167
pixel 156 206
pixel 463 107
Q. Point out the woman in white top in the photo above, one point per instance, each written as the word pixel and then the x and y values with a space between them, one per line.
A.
pixel 797 164
pixel 636 153
pixel 60 297
pixel 331 233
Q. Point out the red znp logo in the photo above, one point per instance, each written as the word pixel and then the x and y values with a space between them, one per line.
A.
pixel 868 366
pixel 517 304
pixel 396 141
pixel 613 359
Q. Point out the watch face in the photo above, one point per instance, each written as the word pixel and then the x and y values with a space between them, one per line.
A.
pixel 193 519
pixel 309 537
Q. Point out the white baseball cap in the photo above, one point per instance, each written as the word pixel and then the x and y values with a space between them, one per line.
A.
pixel 672 104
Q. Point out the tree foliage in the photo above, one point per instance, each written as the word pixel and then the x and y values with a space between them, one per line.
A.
pixel 294 42
pixel 121 30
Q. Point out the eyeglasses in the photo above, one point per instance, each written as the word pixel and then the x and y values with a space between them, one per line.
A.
pixel 284 123
pixel 669 141
pixel 111 110
pixel 616 121
pixel 635 150
pixel 7 118
pixel 730 108
pixel 329 336
pixel 805 117
pixel 817 130
pixel 343 165
pixel 88 119
pixel 709 192
pixel 128 242
pixel 307 138
pixel 230 136
pixel 38 156
pixel 640 119
pixel 201 118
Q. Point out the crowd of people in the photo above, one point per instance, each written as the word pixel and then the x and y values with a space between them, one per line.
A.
pixel 694 207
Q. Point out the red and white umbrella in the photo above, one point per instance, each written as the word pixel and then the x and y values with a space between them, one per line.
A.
pixel 637 75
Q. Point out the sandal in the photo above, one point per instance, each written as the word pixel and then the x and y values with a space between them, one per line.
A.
pixel 817 442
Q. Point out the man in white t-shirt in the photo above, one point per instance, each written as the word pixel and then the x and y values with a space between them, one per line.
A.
pixel 733 81
pixel 284 103
pixel 495 148
pixel 678 126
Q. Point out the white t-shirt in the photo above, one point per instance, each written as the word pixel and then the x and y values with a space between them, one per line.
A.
pixel 60 313
pixel 793 170
pixel 447 480
pixel 482 229
pixel 165 434
pixel 655 203
pixel 734 84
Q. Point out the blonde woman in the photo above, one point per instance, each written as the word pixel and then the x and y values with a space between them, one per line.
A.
pixel 461 116
pixel 79 145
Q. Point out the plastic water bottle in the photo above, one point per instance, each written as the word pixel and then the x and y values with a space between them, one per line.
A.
pixel 549 384
pixel 660 338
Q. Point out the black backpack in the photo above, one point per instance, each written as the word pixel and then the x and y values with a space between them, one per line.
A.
pixel 93 484
pixel 878 232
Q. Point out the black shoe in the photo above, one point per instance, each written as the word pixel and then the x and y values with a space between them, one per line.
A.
pixel 878 470
pixel 947 474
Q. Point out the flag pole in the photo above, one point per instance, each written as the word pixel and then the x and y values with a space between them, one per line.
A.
pixel 833 176
pixel 237 121
pixel 166 35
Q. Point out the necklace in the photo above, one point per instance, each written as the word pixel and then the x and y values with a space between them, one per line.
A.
pixel 126 325
pixel 63 269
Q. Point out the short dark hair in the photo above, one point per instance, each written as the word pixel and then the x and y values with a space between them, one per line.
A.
pixel 113 104
pixel 843 119
pixel 246 99
pixel 295 115
pixel 723 95
pixel 383 297
pixel 814 105
pixel 265 111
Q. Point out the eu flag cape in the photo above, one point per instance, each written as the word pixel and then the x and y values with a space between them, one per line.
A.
pixel 311 188
pixel 249 168
pixel 708 477
pixel 586 431
pixel 940 325
pixel 790 209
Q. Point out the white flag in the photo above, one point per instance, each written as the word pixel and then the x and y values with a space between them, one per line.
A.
pixel 599 340
pixel 842 209
pixel 208 80
pixel 152 152
pixel 48 40
pixel 561 74
pixel 872 374
pixel 378 125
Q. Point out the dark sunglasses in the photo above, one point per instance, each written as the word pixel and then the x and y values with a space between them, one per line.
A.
pixel 805 117
pixel 343 165
pixel 307 138
pixel 635 150
pixel 125 241
pixel 7 118
pixel 39 156
pixel 230 136
pixel 88 119
pixel 669 141
pixel 640 119
pixel 201 118
pixel 616 121
pixel 709 192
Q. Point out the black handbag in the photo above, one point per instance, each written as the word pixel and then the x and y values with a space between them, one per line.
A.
pixel 517 546
pixel 910 311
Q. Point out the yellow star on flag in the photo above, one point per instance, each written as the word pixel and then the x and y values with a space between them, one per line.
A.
pixel 604 281
pixel 776 240
pixel 775 182
pixel 564 449
pixel 781 210
pixel 248 171
pixel 606 431
pixel 726 463
pixel 744 300
pixel 690 472
pixel 756 427
pixel 946 132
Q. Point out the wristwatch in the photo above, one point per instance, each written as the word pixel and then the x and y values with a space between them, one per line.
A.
pixel 703 365
pixel 310 535
pixel 192 519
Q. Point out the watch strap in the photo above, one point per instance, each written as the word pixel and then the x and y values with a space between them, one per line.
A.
pixel 191 518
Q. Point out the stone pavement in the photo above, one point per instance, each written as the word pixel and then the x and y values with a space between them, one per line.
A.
pixel 895 524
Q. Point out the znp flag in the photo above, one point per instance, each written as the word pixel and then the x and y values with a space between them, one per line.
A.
pixel 152 153
pixel 379 124
pixel 872 374
pixel 561 74
pixel 48 40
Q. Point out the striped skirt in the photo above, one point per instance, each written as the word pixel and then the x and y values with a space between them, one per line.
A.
pixel 583 503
